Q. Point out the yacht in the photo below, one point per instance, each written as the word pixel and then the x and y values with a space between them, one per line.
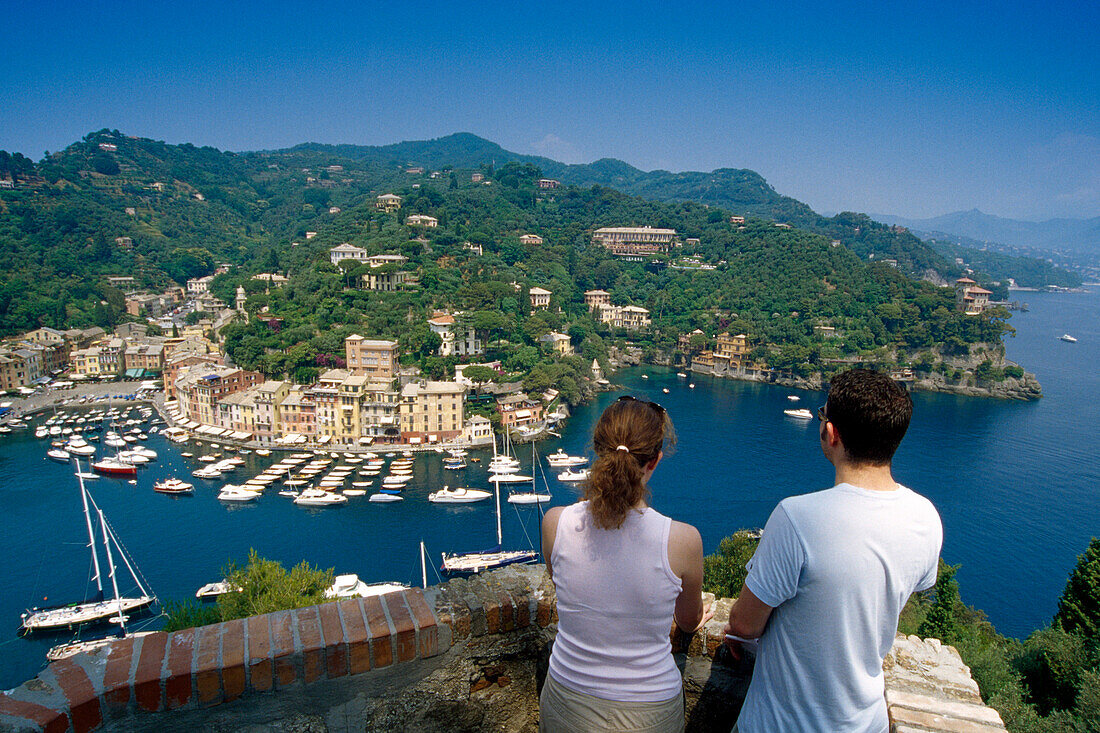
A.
pixel 1067 338
pixel 317 497
pixel 447 495
pixel 350 586
pixel 211 591
pixel 173 486
pixel 58 454
pixel 100 608
pixel 232 492
pixel 793 397
pixel 801 413
pixel 561 459
pixel 114 467
pixel 386 495
pixel 573 476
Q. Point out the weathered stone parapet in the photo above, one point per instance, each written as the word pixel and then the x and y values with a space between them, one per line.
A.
pixel 469 654
pixel 928 688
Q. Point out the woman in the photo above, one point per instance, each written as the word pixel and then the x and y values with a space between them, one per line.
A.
pixel 623 573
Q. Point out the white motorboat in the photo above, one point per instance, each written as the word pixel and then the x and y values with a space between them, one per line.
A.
pixel 173 486
pixel 263 452
pixel 447 495
pixel 210 591
pixel 561 459
pixel 800 413
pixel 793 397
pixel 385 496
pixel 318 497
pixel 509 478
pixel 58 454
pixel 350 586
pixel 99 609
pixel 573 476
pixel 232 492
pixel 206 472
pixel 1067 338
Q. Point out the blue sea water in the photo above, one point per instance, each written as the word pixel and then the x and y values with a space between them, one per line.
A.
pixel 1015 483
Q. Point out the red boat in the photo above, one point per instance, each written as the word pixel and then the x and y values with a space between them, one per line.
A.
pixel 113 467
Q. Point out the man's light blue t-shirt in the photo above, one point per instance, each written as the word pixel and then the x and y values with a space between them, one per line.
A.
pixel 837 566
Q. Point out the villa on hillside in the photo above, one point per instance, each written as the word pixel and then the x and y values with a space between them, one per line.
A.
pixel 969 298
pixel 634 241
pixel 388 203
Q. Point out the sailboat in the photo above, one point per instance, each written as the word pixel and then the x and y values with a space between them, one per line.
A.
pixel 466 563
pixel 68 649
pixel 98 609
pixel 532 496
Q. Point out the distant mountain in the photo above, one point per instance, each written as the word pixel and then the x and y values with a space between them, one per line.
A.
pixel 1078 235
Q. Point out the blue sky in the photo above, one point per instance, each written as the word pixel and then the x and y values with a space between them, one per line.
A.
pixel 908 108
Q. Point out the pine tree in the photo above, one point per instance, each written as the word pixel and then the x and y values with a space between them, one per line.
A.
pixel 1079 606
pixel 942 621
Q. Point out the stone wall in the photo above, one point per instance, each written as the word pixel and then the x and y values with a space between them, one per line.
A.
pixel 467 655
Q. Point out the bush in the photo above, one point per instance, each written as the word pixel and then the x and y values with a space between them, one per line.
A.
pixel 265 586
pixel 724 571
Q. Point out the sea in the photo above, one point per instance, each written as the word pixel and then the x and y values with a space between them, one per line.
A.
pixel 1015 483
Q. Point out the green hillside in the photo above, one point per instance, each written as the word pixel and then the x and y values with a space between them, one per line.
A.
pixel 195 207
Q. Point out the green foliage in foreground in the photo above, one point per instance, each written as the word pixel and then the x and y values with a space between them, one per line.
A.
pixel 265 586
pixel 1048 683
pixel 724 572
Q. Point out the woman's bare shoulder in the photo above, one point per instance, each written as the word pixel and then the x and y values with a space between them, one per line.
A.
pixel 682 534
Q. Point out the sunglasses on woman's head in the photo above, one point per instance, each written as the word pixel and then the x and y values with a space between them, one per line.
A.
pixel 656 406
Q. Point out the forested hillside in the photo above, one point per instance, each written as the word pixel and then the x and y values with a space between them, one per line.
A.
pixel 186 208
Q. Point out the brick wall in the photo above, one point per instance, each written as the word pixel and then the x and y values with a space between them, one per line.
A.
pixel 341 662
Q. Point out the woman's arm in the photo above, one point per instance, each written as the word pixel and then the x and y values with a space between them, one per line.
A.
pixel 685 557
pixel 549 532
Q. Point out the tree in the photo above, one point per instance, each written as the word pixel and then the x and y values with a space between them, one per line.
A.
pixel 1079 606
pixel 942 620
pixel 724 572
pixel 266 586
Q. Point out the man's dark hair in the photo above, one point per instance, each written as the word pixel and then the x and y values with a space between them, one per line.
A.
pixel 871 412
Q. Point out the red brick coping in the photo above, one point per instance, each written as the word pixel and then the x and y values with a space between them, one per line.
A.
pixel 215 664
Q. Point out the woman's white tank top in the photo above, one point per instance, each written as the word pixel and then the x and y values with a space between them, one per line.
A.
pixel 616 598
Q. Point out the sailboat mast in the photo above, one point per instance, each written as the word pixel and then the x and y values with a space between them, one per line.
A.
pixel 423 567
pixel 126 561
pixel 111 569
pixel 500 537
pixel 91 534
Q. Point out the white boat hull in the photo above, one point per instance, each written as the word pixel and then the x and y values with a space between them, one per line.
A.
pixel 81 613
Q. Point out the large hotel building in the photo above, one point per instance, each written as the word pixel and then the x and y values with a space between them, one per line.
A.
pixel 635 240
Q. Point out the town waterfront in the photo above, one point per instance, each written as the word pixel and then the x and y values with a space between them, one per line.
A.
pixel 1014 482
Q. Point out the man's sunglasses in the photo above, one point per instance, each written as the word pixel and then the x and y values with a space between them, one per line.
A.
pixel 654 405
pixel 821 414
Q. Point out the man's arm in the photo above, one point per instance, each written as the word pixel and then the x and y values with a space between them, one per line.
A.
pixel 748 619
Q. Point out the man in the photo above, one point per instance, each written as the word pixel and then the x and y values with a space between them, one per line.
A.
pixel 833 571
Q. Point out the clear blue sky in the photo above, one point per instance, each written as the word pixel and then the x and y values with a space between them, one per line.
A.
pixel 907 108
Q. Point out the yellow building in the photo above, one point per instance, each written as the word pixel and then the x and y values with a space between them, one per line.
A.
pixel 432 412
pixel 388 203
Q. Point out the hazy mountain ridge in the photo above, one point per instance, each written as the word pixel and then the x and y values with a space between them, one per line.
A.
pixel 1081 235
